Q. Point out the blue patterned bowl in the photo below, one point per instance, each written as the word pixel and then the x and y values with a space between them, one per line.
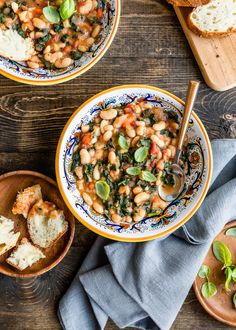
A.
pixel 179 211
pixel 21 73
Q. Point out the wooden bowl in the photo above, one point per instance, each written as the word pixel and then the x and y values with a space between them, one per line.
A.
pixel 219 306
pixel 10 184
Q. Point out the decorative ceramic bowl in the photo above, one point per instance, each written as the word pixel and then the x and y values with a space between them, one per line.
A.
pixel 179 211
pixel 21 73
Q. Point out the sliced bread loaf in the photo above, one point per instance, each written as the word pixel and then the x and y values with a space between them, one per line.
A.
pixel 46 224
pixel 25 255
pixel 218 18
pixel 26 199
pixel 8 238
pixel 14 47
pixel 188 3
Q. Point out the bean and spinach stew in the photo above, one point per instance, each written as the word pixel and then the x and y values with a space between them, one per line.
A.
pixel 61 30
pixel 122 156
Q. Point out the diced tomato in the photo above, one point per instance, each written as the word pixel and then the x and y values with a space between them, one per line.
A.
pixel 155 199
pixel 75 44
pixel 38 11
pixel 87 138
pixel 153 163
pixel 54 39
pixel 129 108
pixel 91 185
pixel 125 166
pixel 154 149
pixel 99 13
pixel 67 49
pixel 129 120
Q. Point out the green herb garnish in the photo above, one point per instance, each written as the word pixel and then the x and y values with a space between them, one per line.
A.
pixel 67 9
pixel 102 189
pixel 231 232
pixel 123 143
pixel 141 154
pixel 133 170
pixel 222 253
pixel 51 14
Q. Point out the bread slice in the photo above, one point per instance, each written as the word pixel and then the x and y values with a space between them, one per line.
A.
pixel 188 3
pixel 8 238
pixel 25 255
pixel 218 18
pixel 46 224
pixel 26 199
pixel 14 47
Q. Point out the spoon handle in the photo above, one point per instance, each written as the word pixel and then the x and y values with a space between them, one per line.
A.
pixel 190 100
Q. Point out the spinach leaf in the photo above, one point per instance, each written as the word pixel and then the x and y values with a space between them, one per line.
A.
pixel 75 162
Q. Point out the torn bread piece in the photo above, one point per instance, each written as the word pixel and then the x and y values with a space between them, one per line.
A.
pixel 8 238
pixel 26 199
pixel 14 47
pixel 25 255
pixel 216 19
pixel 188 3
pixel 46 224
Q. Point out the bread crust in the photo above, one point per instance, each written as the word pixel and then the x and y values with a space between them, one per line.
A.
pixel 188 3
pixel 206 34
pixel 7 248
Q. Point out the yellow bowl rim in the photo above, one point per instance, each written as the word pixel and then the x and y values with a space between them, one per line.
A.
pixel 168 231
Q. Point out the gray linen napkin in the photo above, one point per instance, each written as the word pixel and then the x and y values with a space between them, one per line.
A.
pixel 144 285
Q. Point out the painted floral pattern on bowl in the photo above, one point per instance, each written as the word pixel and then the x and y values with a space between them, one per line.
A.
pixel 21 72
pixel 198 168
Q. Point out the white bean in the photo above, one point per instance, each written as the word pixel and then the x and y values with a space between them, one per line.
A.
pixel 96 173
pixel 98 207
pixel 116 218
pixel 108 128
pixel 107 136
pixel 79 172
pixel 96 31
pixel 108 114
pixel 86 7
pixel 99 154
pixel 39 23
pixel 84 156
pixel 119 121
pixel 140 130
pixel 124 190
pixel 88 200
pixel 159 126
pixel 85 128
pixel 137 190
pixel 141 197
pixel 140 123
pixel 112 157
pixel 103 124
pixel 131 132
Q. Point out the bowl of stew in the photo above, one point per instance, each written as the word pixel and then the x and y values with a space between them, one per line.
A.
pixel 68 36
pixel 117 148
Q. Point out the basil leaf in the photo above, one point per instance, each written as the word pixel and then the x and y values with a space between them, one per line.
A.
pixel 133 170
pixel 102 189
pixel 228 275
pixel 140 154
pixel 231 232
pixel 204 271
pixel 234 300
pixel 67 9
pixel 234 274
pixel 208 290
pixel 148 176
pixel 123 143
pixel 222 253
pixel 51 14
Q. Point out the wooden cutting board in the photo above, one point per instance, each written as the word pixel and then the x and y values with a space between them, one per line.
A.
pixel 216 57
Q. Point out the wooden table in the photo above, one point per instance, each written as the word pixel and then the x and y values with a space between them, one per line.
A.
pixel 149 48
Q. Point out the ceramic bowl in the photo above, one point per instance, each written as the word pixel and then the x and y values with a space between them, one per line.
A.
pixel 21 73
pixel 179 211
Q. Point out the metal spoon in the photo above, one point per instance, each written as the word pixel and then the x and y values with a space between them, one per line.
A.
pixel 166 192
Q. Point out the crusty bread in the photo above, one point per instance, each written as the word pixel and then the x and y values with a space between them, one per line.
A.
pixel 46 224
pixel 8 238
pixel 26 199
pixel 25 255
pixel 14 47
pixel 218 18
pixel 188 3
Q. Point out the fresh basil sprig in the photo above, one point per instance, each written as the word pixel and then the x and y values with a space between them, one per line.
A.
pixel 123 143
pixel 228 278
pixel 204 271
pixel 222 253
pixel 102 189
pixel 133 170
pixel 208 290
pixel 67 9
pixel 51 14
pixel 141 154
pixel 148 176
pixel 231 232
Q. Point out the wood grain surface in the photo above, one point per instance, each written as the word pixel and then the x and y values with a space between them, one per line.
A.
pixel 149 48
pixel 215 56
